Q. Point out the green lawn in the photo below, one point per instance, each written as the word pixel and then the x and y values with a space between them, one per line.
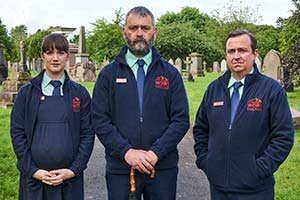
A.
pixel 287 177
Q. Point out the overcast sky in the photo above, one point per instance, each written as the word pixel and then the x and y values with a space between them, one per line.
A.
pixel 39 14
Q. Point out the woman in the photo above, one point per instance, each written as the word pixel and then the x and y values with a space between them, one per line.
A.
pixel 50 129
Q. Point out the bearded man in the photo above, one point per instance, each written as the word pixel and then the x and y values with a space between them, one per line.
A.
pixel 140 114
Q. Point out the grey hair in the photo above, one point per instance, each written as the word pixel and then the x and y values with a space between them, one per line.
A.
pixel 142 11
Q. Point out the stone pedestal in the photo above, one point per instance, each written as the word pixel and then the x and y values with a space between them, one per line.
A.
pixel 11 87
pixel 196 65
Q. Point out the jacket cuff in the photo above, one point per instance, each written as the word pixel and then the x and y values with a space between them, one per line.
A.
pixel 124 151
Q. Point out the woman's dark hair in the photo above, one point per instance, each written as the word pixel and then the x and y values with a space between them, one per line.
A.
pixel 55 41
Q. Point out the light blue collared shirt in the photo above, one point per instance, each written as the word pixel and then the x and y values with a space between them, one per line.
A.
pixel 131 61
pixel 47 88
pixel 241 88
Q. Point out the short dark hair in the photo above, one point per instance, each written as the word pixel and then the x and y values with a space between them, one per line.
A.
pixel 55 41
pixel 243 32
pixel 142 11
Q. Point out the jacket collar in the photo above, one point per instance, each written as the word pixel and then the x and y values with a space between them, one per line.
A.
pixel 248 80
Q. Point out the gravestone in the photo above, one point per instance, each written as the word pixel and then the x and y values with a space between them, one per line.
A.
pixel 23 61
pixel 39 65
pixel 196 65
pixel 272 64
pixel 3 68
pixel 85 72
pixel 178 65
pixel 258 62
pixel 15 81
pixel 204 66
pixel 216 67
pixel 171 61
pixel 223 66
pixel 11 87
pixel 9 65
pixel 188 76
pixel 82 56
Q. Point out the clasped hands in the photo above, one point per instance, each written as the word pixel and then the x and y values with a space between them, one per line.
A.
pixel 53 177
pixel 141 160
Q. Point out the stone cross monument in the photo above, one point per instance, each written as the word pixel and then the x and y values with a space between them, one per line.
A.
pixel 82 56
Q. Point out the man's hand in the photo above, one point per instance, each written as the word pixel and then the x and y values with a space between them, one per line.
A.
pixel 140 160
pixel 152 157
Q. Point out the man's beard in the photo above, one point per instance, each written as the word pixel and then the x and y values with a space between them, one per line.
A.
pixel 140 49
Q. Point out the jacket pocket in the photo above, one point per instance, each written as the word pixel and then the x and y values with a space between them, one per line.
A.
pixel 243 172
pixel 215 170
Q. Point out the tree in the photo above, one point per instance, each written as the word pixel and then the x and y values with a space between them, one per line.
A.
pixel 34 43
pixel 105 39
pixel 290 45
pixel 179 40
pixel 186 15
pixel 235 11
pixel 5 40
pixel 18 34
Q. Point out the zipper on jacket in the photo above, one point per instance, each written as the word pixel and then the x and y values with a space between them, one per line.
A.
pixel 228 157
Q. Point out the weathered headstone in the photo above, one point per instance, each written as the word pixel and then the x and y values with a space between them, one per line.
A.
pixel 39 65
pixel 9 65
pixel 188 76
pixel 216 67
pixel 171 61
pixel 272 64
pixel 178 64
pixel 223 65
pixel 3 67
pixel 85 72
pixel 196 66
pixel 258 63
pixel 23 62
pixel 82 56
pixel 15 81
pixel 11 87
pixel 204 66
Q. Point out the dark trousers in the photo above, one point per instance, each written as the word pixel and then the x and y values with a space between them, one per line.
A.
pixel 216 194
pixel 163 186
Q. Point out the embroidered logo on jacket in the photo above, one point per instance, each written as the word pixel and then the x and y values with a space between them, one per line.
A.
pixel 76 104
pixel 162 82
pixel 254 104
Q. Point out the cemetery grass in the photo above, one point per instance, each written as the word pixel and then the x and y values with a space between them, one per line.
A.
pixel 287 177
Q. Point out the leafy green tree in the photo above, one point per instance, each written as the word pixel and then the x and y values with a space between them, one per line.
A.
pixel 267 38
pixel 5 40
pixel 290 45
pixel 179 40
pixel 104 40
pixel 186 15
pixel 18 34
pixel 34 42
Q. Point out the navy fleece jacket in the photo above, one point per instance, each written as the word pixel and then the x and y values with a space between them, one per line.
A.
pixel 116 116
pixel 243 157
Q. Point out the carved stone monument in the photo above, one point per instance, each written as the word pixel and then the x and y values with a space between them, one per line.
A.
pixel 178 65
pixel 188 76
pixel 15 81
pixel 3 67
pixel 11 87
pixel 23 57
pixel 196 67
pixel 82 56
